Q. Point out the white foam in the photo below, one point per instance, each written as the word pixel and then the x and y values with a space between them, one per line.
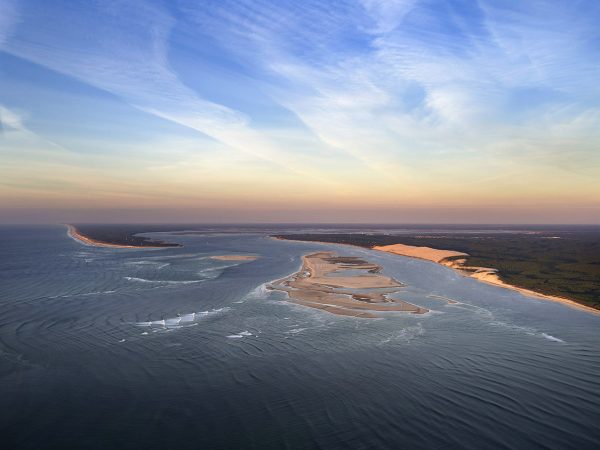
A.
pixel 81 294
pixel 172 321
pixel 98 293
pixel 181 320
pixel 143 280
pixel 158 323
pixel 258 293
pixel 188 317
pixel 511 326
pixel 141 263
pixel 296 330
pixel 239 335
pixel 406 334
pixel 530 331
pixel 552 338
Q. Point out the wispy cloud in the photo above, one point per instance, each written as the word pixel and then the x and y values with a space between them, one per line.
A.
pixel 427 79
pixel 9 18
pixel 122 48
pixel 410 96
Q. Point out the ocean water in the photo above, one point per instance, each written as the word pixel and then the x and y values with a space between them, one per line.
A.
pixel 167 348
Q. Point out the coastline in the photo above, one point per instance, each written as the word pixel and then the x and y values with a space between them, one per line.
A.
pixel 74 234
pixel 482 274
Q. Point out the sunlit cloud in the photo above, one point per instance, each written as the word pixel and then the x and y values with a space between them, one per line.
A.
pixel 357 103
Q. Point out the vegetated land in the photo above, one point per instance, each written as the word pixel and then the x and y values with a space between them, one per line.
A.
pixel 125 234
pixel 561 263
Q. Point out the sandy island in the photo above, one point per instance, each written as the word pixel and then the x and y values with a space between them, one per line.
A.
pixel 486 274
pixel 324 283
pixel 234 257
pixel 74 234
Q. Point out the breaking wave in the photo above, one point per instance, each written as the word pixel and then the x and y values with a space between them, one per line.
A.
pixel 239 335
pixel 181 320
pixel 551 338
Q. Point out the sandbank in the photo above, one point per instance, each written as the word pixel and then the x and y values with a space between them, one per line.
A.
pixel 234 257
pixel 323 284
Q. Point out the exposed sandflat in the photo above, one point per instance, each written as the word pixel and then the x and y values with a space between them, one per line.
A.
pixel 317 286
pixel 234 257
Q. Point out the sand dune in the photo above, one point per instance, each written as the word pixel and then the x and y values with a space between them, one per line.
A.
pixel 428 253
pixel 485 274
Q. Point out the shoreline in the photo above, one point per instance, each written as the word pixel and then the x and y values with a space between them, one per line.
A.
pixel 489 273
pixel 486 275
pixel 74 234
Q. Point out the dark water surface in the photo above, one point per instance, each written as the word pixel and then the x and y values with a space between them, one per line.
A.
pixel 127 348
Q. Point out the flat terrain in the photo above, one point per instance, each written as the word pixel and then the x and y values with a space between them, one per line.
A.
pixel 324 282
pixel 123 235
pixel 561 262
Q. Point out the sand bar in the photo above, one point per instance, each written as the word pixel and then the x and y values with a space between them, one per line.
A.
pixel 234 257
pixel 324 283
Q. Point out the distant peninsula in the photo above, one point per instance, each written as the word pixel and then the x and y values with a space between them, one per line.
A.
pixel 116 236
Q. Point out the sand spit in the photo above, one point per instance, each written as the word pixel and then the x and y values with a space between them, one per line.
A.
pixel 234 257
pixel 74 234
pixel 324 283
pixel 486 274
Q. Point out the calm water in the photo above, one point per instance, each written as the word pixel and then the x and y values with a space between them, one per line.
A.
pixel 105 348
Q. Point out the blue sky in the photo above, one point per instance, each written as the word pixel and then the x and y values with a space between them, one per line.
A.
pixel 365 110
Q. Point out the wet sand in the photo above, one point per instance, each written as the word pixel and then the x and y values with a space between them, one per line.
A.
pixel 324 283
pixel 234 257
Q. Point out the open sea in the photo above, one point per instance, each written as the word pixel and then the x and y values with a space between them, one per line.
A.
pixel 166 348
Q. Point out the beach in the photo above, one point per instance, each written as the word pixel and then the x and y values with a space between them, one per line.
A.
pixel 488 275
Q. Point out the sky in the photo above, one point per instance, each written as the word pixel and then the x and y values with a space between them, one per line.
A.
pixel 407 111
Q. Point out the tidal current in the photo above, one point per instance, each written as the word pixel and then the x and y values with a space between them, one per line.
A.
pixel 169 348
